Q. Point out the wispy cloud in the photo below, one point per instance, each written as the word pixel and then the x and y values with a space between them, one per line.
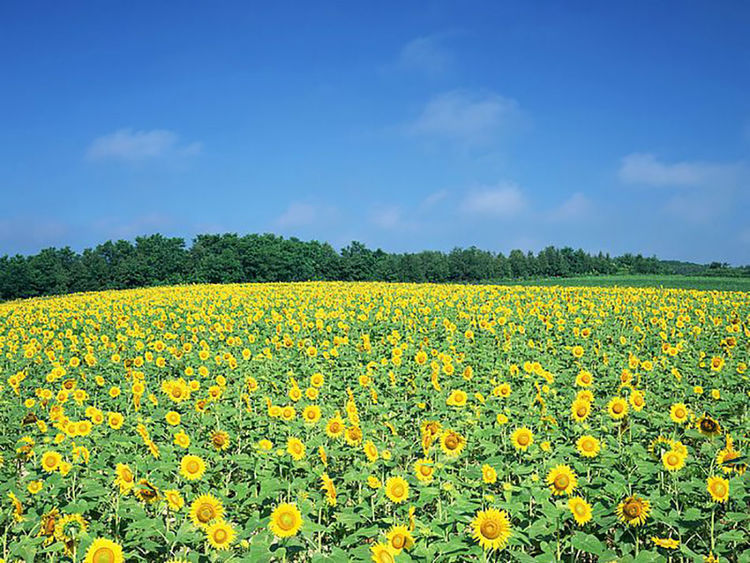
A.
pixel 575 207
pixel 133 145
pixel 301 214
pixel 425 54
pixel 433 199
pixel 647 170
pixel 504 200
pixel 468 117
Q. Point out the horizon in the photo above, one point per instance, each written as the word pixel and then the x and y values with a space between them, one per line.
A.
pixel 620 129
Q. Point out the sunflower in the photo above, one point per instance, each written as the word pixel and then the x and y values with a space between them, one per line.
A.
pixel 220 534
pixel 562 480
pixel 51 461
pixel 584 379
pixel 718 487
pixel 522 438
pixel 588 446
pixel 286 520
pixel 103 550
pixel 373 482
pixel 708 426
pixel 397 489
pixel 371 451
pixel 634 510
pixel 329 488
pixel 382 553
pixel 205 509
pixel 491 528
pixel 353 435
pixel 673 460
pixel 457 398
pixel 181 439
pixel 335 427
pixel 727 460
pixel 295 448
pixel 637 400
pixel 173 418
pixel 580 410
pixel 192 467
pixel 174 500
pixel 220 440
pixel 489 475
pixel 678 413
pixel 125 479
pixel 666 543
pixel 452 443
pixel 47 526
pixel 311 414
pixel 580 509
pixel 399 538
pixel 146 492
pixel 617 408
pixel 68 529
pixel 424 469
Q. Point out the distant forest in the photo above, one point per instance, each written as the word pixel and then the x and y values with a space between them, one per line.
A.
pixel 229 258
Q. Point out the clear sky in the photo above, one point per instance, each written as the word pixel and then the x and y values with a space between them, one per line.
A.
pixel 622 127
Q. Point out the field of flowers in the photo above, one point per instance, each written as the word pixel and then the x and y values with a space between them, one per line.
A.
pixel 344 422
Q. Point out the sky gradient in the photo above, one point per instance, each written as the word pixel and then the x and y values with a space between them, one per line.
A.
pixel 615 127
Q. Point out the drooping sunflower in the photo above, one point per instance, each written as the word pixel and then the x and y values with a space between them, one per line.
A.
pixel 452 443
pixel 146 492
pixel 491 528
pixel 424 469
pixel 295 448
pixel 673 460
pixel 286 520
pixel 634 510
pixel 205 509
pixel 124 479
pixel 353 435
pixel 103 550
pixel 617 408
pixel 718 488
pixel 220 535
pixel 397 489
pixel 708 426
pixel 382 553
pixel 47 526
pixel 728 457
pixel 678 413
pixel 580 509
pixel 192 467
pixel 68 529
pixel 562 480
pixel 399 538
pixel 588 446
pixel 522 438
pixel 330 489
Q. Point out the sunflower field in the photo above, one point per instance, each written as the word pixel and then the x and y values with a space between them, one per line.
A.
pixel 369 421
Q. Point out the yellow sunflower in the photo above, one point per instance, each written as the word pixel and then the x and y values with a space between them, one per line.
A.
pixel 124 479
pixel 678 413
pixel 174 500
pixel 51 461
pixel 489 475
pixel 580 509
pixel 588 446
pixel 580 410
pixel 522 438
pixel 666 543
pixel 718 488
pixel 335 427
pixel 397 489
pixel 452 443
pixel 220 535
pixel 286 520
pixel 311 414
pixel 220 440
pixel 708 426
pixel 673 460
pixel 617 408
pixel 399 538
pixel 634 510
pixel 491 528
pixel 192 467
pixel 562 480
pixel 295 448
pixel 371 451
pixel 424 469
pixel 382 553
pixel 103 550
pixel 205 509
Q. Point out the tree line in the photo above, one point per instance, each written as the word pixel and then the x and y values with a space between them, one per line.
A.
pixel 229 258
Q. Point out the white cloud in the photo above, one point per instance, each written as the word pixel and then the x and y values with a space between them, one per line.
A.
pixel 388 218
pixel 300 214
pixel 425 54
pixel 645 169
pixel 468 117
pixel 504 200
pixel 130 145
pixel 434 198
pixel 575 207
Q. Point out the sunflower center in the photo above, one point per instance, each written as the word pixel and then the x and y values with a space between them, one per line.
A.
pixel 617 408
pixel 581 411
pixel 719 489
pixel 398 490
pixel 425 470
pixel 193 466
pixel 286 521
pixel 451 442
pixel 587 445
pixel 398 541
pixel 385 557
pixel 523 439
pixel 206 513
pixel 673 459
pixel 177 392
pixel 562 482
pixel 220 536
pixel 50 462
pixel 680 413
pixel 103 555
pixel 633 509
pixel 580 510
pixel 490 529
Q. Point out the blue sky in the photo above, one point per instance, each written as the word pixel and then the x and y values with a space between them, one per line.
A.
pixel 610 126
